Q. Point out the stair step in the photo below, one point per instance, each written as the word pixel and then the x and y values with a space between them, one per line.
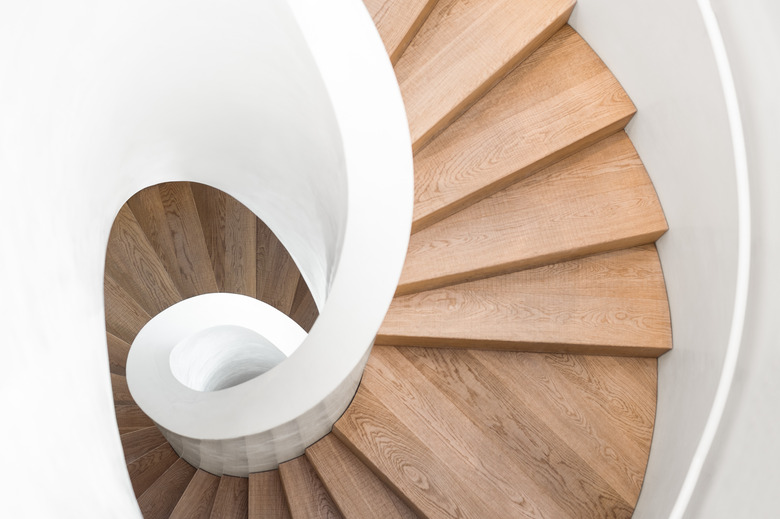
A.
pixel 304 309
pixel 463 49
pixel 398 22
pixel 130 417
pixel 117 354
pixel 266 496
pixel 558 101
pixel 306 495
pixel 354 488
pixel 198 499
pixel 608 304
pixel 121 391
pixel 230 233
pixel 597 200
pixel 167 214
pixel 277 274
pixel 161 497
pixel 424 417
pixel 133 264
pixel 137 443
pixel 231 501
pixel 145 470
pixel 124 316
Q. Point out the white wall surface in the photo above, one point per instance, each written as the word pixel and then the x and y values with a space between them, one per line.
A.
pixel 661 53
pixel 741 476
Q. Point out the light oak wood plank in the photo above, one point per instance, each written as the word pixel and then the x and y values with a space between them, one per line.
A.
pixel 598 200
pixel 161 497
pixel 463 49
pixel 145 470
pixel 137 443
pixel 304 309
pixel 229 230
pixel 558 101
pixel 603 407
pixel 198 499
pixel 124 316
pixel 133 264
pixel 609 304
pixel 117 354
pixel 277 274
pixel 398 22
pixel 121 391
pixel 167 214
pixel 266 496
pixel 231 501
pixel 305 493
pixel 355 490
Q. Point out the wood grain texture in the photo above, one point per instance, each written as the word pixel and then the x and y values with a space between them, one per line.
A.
pixel 558 101
pixel 117 354
pixel 306 495
pixel 473 421
pixel 229 229
pixel 121 391
pixel 137 443
pixel 198 499
pixel 304 309
pixel 609 304
pixel 167 214
pixel 463 49
pixel 232 500
pixel 124 316
pixel 161 497
pixel 598 200
pixel 266 496
pixel 145 470
pixel 355 490
pixel 398 21
pixel 130 416
pixel 133 264
pixel 277 274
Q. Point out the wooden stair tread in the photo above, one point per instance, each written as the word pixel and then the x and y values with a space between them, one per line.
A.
pixel 304 309
pixel 167 214
pixel 398 22
pixel 426 417
pixel 137 443
pixel 558 101
pixel 231 500
pixel 120 390
pixel 306 495
pixel 611 304
pixel 145 470
pixel 266 496
pixel 133 264
pixel 463 49
pixel 354 488
pixel 131 416
pixel 198 498
pixel 277 274
pixel 117 354
pixel 124 316
pixel 229 230
pixel 161 497
pixel 597 200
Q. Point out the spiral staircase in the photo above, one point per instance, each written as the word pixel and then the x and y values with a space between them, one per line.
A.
pixel 515 372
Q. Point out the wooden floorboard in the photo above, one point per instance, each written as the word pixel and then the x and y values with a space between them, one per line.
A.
pixel 198 498
pixel 306 495
pixel 159 500
pixel 598 200
pixel 558 101
pixel 266 496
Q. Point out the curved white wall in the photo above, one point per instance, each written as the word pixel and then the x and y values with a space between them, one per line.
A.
pixel 661 53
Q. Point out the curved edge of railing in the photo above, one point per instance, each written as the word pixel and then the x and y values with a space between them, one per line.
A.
pixel 297 402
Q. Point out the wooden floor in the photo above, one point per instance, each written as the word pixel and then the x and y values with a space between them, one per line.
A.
pixel 515 372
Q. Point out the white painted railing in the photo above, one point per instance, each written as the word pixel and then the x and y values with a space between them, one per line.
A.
pixel 266 101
